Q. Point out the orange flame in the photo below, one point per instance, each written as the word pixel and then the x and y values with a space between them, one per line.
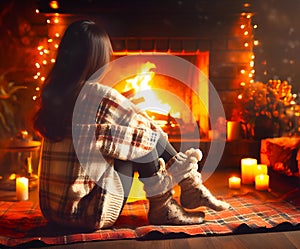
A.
pixel 142 85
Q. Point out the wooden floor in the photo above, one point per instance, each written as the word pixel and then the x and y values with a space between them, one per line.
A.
pixel 217 184
pixel 280 240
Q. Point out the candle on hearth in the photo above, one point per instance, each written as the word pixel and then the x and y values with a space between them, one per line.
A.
pixel 247 168
pixel 22 188
pixel 234 182
pixel 233 130
pixel 261 169
pixel 261 182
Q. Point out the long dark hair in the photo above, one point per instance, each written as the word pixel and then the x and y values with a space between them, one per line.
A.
pixel 84 48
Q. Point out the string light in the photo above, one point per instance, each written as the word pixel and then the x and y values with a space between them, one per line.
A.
pixel 54 5
pixel 47 49
pixel 246 34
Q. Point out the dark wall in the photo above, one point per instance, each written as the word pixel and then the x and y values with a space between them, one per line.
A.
pixel 278 56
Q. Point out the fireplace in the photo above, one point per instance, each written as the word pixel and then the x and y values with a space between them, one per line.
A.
pixel 180 108
pixel 217 38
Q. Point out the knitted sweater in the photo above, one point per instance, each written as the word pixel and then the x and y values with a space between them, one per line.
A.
pixel 78 184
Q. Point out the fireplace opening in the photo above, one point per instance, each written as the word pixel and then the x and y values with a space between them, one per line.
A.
pixel 180 108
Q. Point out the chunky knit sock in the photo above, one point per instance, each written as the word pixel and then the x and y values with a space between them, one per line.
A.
pixel 194 194
pixel 163 209
pixel 181 164
pixel 184 170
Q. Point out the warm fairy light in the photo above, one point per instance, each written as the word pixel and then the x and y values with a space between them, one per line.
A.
pixel 12 176
pixel 256 42
pixel 253 71
pixel 37 11
pixel 242 83
pixel 249 16
pixel 255 26
pixel 47 48
pixel 54 5
pixel 251 81
pixel 250 75
pixel 251 63
pixel 253 57
pixel 243 71
pixel 240 96
pixel 246 33
pixel 246 5
pixel 243 26
pixel 246 44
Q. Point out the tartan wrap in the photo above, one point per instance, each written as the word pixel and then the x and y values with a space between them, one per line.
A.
pixel 78 184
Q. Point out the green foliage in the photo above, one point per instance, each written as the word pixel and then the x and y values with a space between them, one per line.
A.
pixel 9 106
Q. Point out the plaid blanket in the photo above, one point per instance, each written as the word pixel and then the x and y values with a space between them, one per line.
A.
pixel 22 222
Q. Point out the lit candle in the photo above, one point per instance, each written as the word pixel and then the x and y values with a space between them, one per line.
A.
pixel 248 166
pixel 261 182
pixel 233 130
pixel 22 188
pixel 234 182
pixel 261 169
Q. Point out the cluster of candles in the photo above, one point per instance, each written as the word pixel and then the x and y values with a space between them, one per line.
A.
pixel 251 172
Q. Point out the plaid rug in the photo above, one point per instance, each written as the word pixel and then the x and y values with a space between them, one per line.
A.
pixel 22 222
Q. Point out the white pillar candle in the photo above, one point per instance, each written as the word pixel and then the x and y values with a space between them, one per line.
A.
pixel 261 182
pixel 233 130
pixel 248 166
pixel 22 188
pixel 234 182
pixel 261 169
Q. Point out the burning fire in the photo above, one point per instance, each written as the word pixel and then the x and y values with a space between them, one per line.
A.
pixel 141 84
